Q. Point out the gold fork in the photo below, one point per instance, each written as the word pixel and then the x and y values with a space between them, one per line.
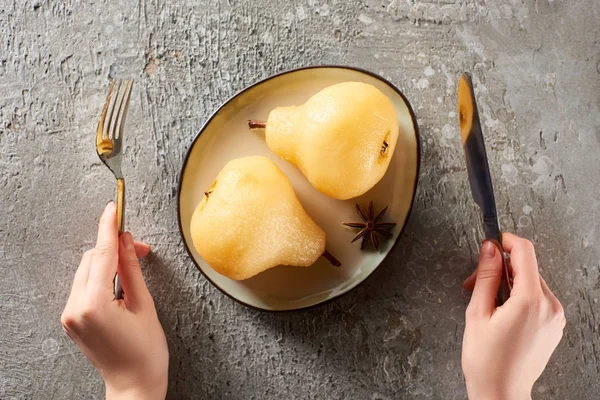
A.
pixel 109 143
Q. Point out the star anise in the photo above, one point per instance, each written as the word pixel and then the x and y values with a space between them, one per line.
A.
pixel 370 227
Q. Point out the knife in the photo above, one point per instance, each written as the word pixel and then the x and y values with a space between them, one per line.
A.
pixel 480 179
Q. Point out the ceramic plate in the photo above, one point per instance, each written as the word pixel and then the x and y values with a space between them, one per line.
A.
pixel 226 136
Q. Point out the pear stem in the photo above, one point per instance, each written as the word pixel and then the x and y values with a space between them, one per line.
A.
pixel 255 124
pixel 334 261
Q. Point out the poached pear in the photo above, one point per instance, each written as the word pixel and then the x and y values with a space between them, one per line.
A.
pixel 250 220
pixel 342 138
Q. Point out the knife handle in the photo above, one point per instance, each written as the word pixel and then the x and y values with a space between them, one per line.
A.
pixel 506 281
pixel 505 285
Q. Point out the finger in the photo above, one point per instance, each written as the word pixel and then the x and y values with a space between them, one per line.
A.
pixel 81 277
pixel 557 307
pixel 136 292
pixel 83 271
pixel 489 272
pixel 77 290
pixel 469 283
pixel 141 249
pixel 524 265
pixel 545 288
pixel 106 253
pixel 548 293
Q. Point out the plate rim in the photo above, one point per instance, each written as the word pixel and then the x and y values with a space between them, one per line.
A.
pixel 238 93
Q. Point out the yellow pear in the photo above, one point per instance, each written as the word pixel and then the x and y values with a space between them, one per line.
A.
pixel 250 220
pixel 342 138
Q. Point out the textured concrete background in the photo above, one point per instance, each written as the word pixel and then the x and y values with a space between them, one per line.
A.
pixel 536 67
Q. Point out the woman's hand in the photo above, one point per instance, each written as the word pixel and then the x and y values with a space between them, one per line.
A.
pixel 506 348
pixel 122 338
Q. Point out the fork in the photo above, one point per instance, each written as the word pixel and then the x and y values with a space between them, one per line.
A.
pixel 109 144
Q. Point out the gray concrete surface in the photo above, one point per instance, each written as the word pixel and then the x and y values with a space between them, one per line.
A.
pixel 536 66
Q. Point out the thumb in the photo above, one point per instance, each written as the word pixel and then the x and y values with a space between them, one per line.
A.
pixel 104 265
pixel 136 293
pixel 489 273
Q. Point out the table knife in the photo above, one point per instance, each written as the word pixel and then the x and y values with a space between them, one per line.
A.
pixel 480 179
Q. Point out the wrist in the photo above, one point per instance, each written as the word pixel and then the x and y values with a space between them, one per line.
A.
pixel 500 397
pixel 479 393
pixel 156 391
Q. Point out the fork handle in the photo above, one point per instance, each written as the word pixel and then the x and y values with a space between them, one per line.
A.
pixel 121 225
pixel 121 204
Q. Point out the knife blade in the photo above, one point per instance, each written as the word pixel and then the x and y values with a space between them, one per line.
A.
pixel 480 179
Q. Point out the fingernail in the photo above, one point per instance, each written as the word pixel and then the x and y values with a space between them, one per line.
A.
pixel 127 240
pixel 109 205
pixel 488 250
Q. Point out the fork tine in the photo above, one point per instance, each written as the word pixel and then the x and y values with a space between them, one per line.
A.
pixel 111 125
pixel 115 125
pixel 123 110
pixel 100 129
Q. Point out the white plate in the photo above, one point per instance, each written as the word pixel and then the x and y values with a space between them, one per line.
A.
pixel 226 136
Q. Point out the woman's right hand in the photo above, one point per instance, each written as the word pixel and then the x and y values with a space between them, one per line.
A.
pixel 506 348
pixel 122 338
